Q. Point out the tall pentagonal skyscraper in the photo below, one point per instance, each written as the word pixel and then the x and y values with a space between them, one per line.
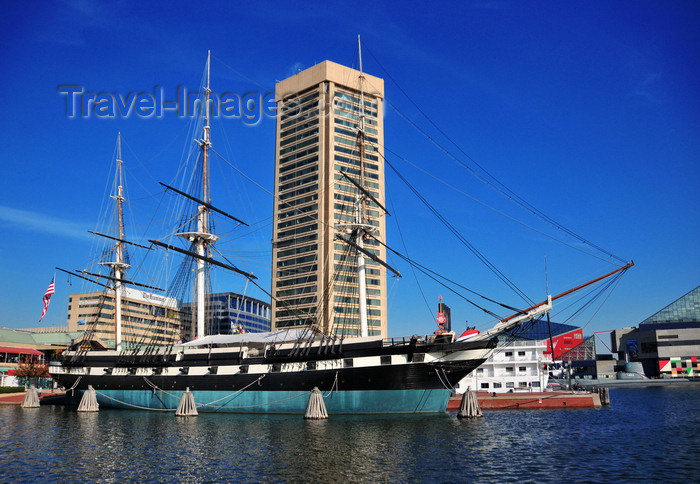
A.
pixel 329 118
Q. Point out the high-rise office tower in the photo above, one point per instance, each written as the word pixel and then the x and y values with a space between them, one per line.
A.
pixel 329 118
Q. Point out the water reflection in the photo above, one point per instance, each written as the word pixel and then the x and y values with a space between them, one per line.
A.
pixel 59 444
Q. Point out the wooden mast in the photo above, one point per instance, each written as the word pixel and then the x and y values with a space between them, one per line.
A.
pixel 202 237
pixel 566 293
pixel 539 309
pixel 118 266
pixel 360 217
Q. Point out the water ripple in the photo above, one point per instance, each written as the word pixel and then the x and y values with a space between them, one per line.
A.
pixel 647 435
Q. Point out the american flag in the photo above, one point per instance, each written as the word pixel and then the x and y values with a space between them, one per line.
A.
pixel 47 297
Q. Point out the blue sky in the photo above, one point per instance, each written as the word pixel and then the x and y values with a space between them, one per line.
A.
pixel 587 110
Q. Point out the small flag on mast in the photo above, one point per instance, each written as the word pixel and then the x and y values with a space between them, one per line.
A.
pixel 47 297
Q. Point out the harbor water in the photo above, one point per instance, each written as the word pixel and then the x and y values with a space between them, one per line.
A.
pixel 647 435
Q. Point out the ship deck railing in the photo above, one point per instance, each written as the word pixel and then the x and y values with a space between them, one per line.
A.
pixel 415 339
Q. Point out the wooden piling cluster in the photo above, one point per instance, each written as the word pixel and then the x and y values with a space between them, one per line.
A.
pixel 187 406
pixel 88 403
pixel 604 394
pixel 470 405
pixel 315 408
pixel 31 398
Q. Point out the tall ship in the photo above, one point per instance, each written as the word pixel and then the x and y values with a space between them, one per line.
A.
pixel 355 368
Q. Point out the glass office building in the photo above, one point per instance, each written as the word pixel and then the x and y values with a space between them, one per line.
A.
pixel 231 313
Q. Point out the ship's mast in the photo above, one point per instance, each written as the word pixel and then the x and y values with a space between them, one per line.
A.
pixel 202 237
pixel 360 218
pixel 202 218
pixel 118 266
pixel 203 212
pixel 358 230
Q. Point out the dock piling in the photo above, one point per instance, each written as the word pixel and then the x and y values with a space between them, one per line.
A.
pixel 187 406
pixel 315 408
pixel 470 405
pixel 31 398
pixel 88 403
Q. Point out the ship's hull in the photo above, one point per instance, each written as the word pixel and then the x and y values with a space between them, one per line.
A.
pixel 277 402
pixel 357 379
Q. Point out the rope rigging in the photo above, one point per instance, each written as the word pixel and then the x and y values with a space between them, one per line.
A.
pixel 609 283
pixel 178 285
pixel 459 236
pixel 487 178
pixel 437 278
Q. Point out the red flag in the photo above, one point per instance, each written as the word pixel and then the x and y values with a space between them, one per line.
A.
pixel 47 297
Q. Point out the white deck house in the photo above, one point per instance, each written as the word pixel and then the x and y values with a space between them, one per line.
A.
pixel 518 365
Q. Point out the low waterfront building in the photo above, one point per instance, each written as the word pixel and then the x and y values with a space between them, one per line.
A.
pixel 582 362
pixel 667 343
pixel 526 358
pixel 143 314
pixel 11 358
pixel 518 365
pixel 24 346
pixel 233 312
pixel 230 313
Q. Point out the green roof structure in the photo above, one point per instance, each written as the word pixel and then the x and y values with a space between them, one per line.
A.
pixel 8 336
